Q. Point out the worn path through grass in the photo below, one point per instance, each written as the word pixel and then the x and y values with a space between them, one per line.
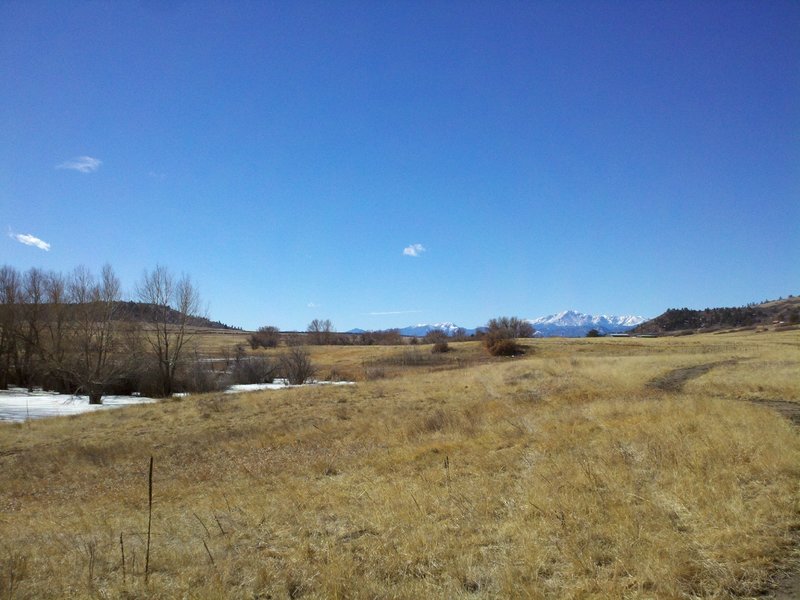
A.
pixel 675 380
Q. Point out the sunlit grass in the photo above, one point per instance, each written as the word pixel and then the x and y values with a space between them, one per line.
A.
pixel 562 474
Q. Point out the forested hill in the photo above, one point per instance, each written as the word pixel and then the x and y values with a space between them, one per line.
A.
pixel 135 312
pixel 775 312
pixel 141 312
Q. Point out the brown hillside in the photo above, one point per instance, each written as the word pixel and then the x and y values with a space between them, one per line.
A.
pixel 784 312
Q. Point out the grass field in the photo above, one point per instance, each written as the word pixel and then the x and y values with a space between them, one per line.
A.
pixel 624 468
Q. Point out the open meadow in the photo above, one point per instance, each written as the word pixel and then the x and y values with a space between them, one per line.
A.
pixel 587 468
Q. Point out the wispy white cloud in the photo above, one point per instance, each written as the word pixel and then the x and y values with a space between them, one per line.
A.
pixel 413 250
pixel 313 305
pixel 381 313
pixel 29 240
pixel 84 164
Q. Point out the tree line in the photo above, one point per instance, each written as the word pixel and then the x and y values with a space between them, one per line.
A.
pixel 498 336
pixel 63 332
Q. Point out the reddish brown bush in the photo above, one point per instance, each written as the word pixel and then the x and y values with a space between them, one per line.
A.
pixel 501 334
pixel 504 347
pixel 440 347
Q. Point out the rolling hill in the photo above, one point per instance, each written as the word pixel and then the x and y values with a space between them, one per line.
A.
pixel 784 312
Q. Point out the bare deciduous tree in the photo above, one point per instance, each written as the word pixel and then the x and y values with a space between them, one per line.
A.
pixel 55 337
pixel 9 300
pixel 173 302
pixel 501 335
pixel 320 331
pixel 511 327
pixel 435 336
pixel 27 356
pixel 91 361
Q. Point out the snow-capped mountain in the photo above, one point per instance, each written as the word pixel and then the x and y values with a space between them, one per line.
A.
pixel 570 323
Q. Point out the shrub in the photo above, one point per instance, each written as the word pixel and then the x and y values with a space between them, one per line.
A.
pixel 440 347
pixel 503 347
pixel 387 337
pixel 266 337
pixel 196 377
pixel 510 327
pixel 296 366
pixel 253 369
pixel 501 333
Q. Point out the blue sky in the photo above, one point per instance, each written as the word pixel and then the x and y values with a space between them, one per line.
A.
pixel 388 163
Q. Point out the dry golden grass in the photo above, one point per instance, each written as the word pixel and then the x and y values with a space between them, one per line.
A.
pixel 362 363
pixel 563 474
pixel 216 342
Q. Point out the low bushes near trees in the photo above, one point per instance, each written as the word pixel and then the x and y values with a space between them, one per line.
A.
pixel 296 366
pixel 252 369
pixel 267 336
pixel 503 347
pixel 502 333
pixel 440 347
pixel 439 339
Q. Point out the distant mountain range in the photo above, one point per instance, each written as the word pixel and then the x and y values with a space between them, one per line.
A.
pixel 568 323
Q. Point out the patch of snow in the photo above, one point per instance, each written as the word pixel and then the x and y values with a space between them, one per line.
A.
pixel 256 387
pixel 278 384
pixel 19 405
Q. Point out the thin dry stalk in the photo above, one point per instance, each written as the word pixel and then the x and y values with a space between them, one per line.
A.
pixel 122 551
pixel 149 520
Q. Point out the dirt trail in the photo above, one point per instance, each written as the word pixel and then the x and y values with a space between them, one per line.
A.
pixel 788 588
pixel 676 379
pixel 785 408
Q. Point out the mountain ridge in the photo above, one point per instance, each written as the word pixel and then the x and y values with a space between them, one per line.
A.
pixel 567 323
pixel 571 323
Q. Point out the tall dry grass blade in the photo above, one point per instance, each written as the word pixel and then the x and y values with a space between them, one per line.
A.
pixel 122 551
pixel 149 521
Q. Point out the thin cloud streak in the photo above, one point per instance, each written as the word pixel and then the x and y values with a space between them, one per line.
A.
pixel 30 240
pixel 413 250
pixel 84 164
pixel 393 312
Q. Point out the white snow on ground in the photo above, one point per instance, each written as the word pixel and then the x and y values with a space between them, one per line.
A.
pixel 18 404
pixel 278 384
